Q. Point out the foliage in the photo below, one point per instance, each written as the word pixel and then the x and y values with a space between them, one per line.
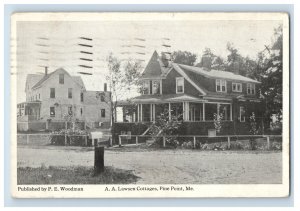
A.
pixel 218 122
pixel 253 130
pixel 163 126
pixel 184 57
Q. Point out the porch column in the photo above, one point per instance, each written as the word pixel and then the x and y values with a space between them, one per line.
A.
pixel 138 112
pixel 154 112
pixel 169 111
pixel 141 112
pixel 151 112
pixel 218 109
pixel 203 105
pixel 231 112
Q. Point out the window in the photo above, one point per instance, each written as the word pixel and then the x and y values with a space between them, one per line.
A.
pixel 236 87
pixel 155 87
pixel 146 87
pixel 52 92
pixel 103 113
pixel 81 111
pixel 52 111
pixel 81 96
pixel 242 114
pixel 250 89
pixel 102 97
pixel 70 110
pixel 61 78
pixel 221 85
pixel 179 85
pixel 69 92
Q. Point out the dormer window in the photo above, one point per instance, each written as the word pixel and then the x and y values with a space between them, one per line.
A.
pixel 61 78
pixel 250 89
pixel 179 85
pixel 156 87
pixel 236 87
pixel 221 85
pixel 146 88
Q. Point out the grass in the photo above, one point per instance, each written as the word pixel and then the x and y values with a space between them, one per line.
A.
pixel 73 175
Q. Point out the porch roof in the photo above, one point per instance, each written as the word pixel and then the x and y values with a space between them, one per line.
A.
pixel 166 98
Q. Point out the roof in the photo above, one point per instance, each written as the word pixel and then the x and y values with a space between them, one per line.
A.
pixel 155 68
pixel 43 78
pixel 166 98
pixel 217 74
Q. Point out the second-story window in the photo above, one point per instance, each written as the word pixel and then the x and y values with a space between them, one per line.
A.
pixel 61 78
pixel 52 92
pixel 250 89
pixel 179 85
pixel 156 87
pixel 70 93
pixel 236 87
pixel 146 88
pixel 103 113
pixel 221 85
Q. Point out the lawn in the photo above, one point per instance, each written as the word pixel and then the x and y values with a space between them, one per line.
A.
pixel 73 175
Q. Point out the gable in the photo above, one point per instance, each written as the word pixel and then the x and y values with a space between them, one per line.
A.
pixel 153 68
pixel 31 80
pixel 75 79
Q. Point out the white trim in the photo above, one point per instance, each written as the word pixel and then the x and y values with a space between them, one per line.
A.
pixel 178 69
pixel 221 85
pixel 241 115
pixel 236 90
pixel 252 87
pixel 179 78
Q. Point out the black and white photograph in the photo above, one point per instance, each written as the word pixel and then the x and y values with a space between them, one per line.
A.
pixel 150 105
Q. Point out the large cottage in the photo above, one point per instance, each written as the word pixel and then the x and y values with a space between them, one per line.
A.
pixel 53 96
pixel 195 93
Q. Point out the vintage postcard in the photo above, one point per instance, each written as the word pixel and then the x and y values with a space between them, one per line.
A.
pixel 153 105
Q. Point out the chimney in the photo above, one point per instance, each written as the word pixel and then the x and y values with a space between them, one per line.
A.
pixel 105 87
pixel 206 62
pixel 165 60
pixel 46 70
pixel 236 68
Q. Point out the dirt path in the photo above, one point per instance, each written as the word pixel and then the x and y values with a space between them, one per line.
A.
pixel 169 166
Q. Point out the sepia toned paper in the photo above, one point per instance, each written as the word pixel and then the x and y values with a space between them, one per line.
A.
pixel 60 67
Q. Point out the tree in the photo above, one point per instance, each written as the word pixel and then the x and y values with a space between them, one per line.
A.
pixel 271 76
pixel 123 79
pixel 184 57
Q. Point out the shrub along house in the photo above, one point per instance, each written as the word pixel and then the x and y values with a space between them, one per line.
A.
pixel 52 96
pixel 196 94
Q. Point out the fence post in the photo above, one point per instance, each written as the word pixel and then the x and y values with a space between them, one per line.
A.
pixel 99 160
pixel 228 140
pixel 120 141
pixel 268 142
pixel 164 141
pixel 136 140
pixel 85 140
pixel 65 139
pixel 194 142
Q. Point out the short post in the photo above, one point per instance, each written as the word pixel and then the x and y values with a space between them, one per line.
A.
pixel 99 160
pixel 66 139
pixel 228 142
pixel 164 141
pixel 110 141
pixel 194 142
pixel 268 142
pixel 85 140
pixel 27 139
pixel 136 140
pixel 120 141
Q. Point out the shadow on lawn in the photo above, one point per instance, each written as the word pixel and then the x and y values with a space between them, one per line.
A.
pixel 74 175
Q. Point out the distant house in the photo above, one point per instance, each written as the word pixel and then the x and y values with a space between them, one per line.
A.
pixel 52 96
pixel 196 94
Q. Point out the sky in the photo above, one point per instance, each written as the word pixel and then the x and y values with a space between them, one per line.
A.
pixel 55 44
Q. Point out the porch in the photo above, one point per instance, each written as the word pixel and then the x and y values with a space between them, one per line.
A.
pixel 188 111
pixel 28 111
